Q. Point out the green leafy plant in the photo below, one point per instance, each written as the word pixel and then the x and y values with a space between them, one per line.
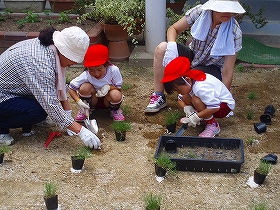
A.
pixel 126 109
pixel 29 18
pixel 2 18
pixel 252 95
pixel 121 126
pixel 51 189
pixel 250 114
pixel 261 205
pixel 171 117
pixel 4 149
pixel 250 140
pixel 264 167
pixel 64 17
pixel 82 152
pixel 121 12
pixel 166 163
pixel 152 201
pixel 240 68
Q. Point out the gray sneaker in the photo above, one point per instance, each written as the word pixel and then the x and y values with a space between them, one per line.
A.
pixel 6 139
pixel 157 102
pixel 47 123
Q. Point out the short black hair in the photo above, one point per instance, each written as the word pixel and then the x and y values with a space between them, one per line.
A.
pixel 169 86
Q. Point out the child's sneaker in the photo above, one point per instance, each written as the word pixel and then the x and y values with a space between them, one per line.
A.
pixel 211 130
pixel 6 139
pixel 80 116
pixel 117 115
pixel 157 102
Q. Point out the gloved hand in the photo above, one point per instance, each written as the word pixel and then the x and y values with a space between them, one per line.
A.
pixel 89 139
pixel 188 110
pixel 69 132
pixel 83 106
pixel 191 120
pixel 170 53
pixel 103 92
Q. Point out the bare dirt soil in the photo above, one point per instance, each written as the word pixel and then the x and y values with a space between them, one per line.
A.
pixel 120 174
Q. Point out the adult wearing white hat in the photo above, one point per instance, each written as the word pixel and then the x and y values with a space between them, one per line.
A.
pixel 216 40
pixel 33 83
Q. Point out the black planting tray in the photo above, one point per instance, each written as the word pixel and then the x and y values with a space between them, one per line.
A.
pixel 218 155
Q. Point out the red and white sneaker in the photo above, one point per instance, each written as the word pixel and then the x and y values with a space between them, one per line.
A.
pixel 211 130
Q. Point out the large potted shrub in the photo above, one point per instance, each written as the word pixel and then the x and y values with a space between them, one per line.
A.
pixel 23 5
pixel 119 20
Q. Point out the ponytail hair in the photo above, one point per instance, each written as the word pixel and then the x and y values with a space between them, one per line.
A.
pixel 46 36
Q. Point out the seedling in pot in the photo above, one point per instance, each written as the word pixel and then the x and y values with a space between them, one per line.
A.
pixel 264 167
pixel 50 195
pixel 120 128
pixel 3 149
pixel 152 201
pixel 164 162
pixel 171 118
pixel 80 154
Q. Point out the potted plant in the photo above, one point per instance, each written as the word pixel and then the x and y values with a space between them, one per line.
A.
pixel 262 171
pixel 171 118
pixel 80 154
pixel 3 149
pixel 164 164
pixel 119 20
pixel 120 128
pixel 23 5
pixel 50 195
pixel 152 201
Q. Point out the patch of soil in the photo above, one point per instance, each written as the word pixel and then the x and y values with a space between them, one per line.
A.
pixel 120 174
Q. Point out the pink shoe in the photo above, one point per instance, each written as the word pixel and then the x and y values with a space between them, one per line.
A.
pixel 80 116
pixel 117 115
pixel 211 130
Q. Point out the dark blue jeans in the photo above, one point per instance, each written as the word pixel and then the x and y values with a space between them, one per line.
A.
pixel 20 112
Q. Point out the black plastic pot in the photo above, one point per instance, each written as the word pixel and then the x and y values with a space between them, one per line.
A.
pixel 270 158
pixel 1 157
pixel 171 128
pixel 268 113
pixel 260 127
pixel 171 146
pixel 51 203
pixel 120 136
pixel 160 172
pixel 77 164
pixel 259 178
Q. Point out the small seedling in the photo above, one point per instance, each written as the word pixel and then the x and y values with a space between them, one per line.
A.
pixel 4 149
pixel 126 109
pixel 152 201
pixel 166 163
pixel 50 189
pixel 126 86
pixel 262 205
pixel 2 17
pixel 250 141
pixel 64 17
pixel 239 68
pixel 252 95
pixel 171 117
pixel 264 167
pixel 82 152
pixel 121 126
pixel 250 115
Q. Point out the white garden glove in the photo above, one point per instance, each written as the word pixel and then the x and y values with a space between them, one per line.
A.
pixel 69 132
pixel 89 139
pixel 188 110
pixel 83 106
pixel 170 53
pixel 103 92
pixel 191 120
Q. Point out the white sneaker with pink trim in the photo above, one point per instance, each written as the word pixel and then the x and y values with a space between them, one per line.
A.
pixel 211 130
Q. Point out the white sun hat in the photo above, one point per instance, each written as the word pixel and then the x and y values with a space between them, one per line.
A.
pixel 72 42
pixel 232 6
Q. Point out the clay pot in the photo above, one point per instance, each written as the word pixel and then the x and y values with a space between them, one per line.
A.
pixel 77 164
pixel 51 203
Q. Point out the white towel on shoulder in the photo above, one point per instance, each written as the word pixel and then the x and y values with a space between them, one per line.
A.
pixel 224 43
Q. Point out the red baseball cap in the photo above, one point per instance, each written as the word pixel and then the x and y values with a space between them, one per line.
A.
pixel 96 55
pixel 179 67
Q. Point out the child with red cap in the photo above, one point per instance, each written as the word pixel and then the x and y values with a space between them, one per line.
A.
pixel 99 86
pixel 201 95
